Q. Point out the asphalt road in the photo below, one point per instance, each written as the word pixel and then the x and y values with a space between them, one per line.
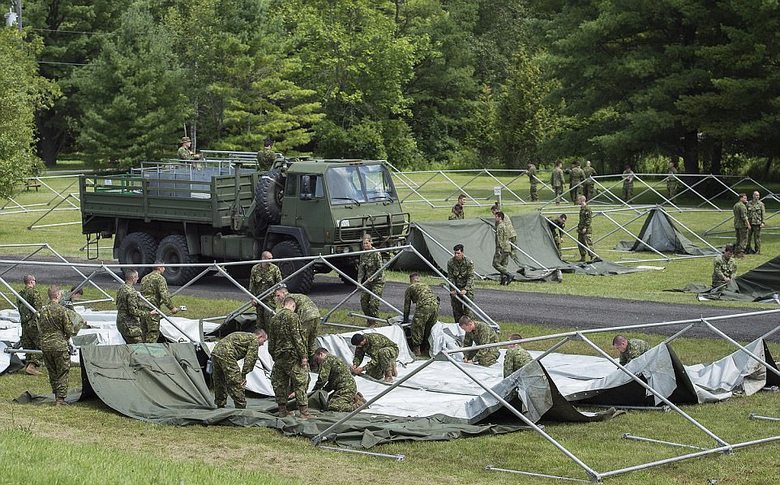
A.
pixel 527 307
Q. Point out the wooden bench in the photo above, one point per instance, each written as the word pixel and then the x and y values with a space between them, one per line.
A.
pixel 32 183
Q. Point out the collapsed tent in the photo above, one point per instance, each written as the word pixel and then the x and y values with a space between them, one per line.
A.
pixel 537 255
pixel 761 284
pixel 661 234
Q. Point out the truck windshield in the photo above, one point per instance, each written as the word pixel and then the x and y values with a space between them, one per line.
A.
pixel 359 183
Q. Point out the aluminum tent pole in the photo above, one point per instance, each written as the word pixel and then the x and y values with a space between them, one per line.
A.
pixel 23 259
pixel 680 333
pixel 650 187
pixel 689 230
pixel 59 194
pixel 629 436
pixel 506 185
pixel 415 191
pixel 690 187
pixel 359 285
pixel 461 189
pixel 74 268
pixel 196 278
pixel 608 190
pixel 741 347
pixel 619 226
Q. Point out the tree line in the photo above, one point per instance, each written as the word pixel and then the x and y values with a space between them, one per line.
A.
pixel 419 82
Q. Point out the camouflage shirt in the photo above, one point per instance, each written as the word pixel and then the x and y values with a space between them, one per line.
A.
pixel 266 158
pixel 532 175
pixel 376 342
pixel 481 335
pixel 588 173
pixel 285 338
pixel 503 237
pixel 55 328
pixel 756 211
pixel 457 212
pixel 723 270
pixel 334 374
pixel 635 348
pixel 184 154
pixel 32 297
pixel 576 176
pixel 586 218
pixel 261 279
pixel 237 346
pixel 305 308
pixel 556 180
pixel 461 273
pixel 369 264
pixel 127 305
pixel 155 289
pixel 740 215
pixel 420 294
pixel 628 178
pixel 515 359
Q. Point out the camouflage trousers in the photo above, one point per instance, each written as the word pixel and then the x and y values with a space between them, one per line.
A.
pixel 628 192
pixel 458 308
pixel 486 357
pixel 150 328
pixel 227 380
pixel 500 261
pixel 671 187
pixel 585 244
pixel 558 194
pixel 588 191
pixel 424 319
pixel 575 192
pixel 534 192
pixel 29 340
pixel 309 330
pixel 289 376
pixel 742 239
pixel 58 366
pixel 343 398
pixel 754 238
pixel 264 316
pixel 369 304
pixel 132 332
pixel 382 363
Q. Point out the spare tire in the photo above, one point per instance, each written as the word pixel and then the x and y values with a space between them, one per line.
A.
pixel 173 250
pixel 268 198
pixel 138 248
pixel 303 281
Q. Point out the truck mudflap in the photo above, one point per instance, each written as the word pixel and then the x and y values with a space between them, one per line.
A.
pixel 385 228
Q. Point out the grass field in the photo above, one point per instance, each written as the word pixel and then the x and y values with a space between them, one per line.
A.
pixel 90 443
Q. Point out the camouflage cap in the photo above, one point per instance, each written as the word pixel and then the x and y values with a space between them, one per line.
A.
pixel 185 139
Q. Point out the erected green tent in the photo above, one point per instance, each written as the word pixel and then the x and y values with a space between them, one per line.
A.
pixel 660 233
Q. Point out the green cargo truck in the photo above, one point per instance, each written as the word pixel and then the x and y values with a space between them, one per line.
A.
pixel 229 211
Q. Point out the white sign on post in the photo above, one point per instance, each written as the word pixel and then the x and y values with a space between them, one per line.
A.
pixel 497 191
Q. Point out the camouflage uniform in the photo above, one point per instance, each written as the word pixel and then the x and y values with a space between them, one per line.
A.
pixel 503 248
pixel 557 229
pixel 266 158
pixel 310 320
pixel 369 264
pixel 756 211
pixel 556 180
pixel 461 274
pixel 628 184
pixel 29 321
pixel 155 289
pixel 584 237
pixel 129 314
pixel 457 212
pixel 576 176
pixel 260 280
pixel 534 192
pixel 515 359
pixel 334 375
pixel 740 227
pixel 288 348
pixel 383 353
pixel 482 335
pixel 723 271
pixel 55 329
pixel 671 182
pixel 228 378
pixel 76 320
pixel 634 349
pixel 590 183
pixel 184 154
pixel 426 311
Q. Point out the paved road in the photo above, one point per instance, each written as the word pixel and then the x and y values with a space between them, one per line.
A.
pixel 527 307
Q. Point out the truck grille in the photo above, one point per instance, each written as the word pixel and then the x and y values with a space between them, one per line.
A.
pixel 381 228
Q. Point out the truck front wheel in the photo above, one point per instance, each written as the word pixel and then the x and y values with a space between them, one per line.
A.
pixel 300 283
pixel 173 250
pixel 138 248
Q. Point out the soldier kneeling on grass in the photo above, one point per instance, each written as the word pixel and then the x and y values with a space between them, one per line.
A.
pixel 335 376
pixel 478 333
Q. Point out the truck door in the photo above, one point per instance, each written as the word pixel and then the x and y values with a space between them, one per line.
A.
pixel 312 211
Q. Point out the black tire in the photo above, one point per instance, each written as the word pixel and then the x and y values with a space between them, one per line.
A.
pixel 173 250
pixel 138 248
pixel 348 266
pixel 303 281
pixel 268 198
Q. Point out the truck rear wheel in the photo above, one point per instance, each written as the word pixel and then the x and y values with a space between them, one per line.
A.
pixel 268 198
pixel 302 282
pixel 173 250
pixel 138 248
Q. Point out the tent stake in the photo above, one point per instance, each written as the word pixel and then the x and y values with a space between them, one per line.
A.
pixel 361 452
pixel 629 436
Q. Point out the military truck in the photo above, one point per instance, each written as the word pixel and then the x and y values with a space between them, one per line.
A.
pixel 230 211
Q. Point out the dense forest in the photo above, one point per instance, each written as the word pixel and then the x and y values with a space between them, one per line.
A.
pixel 456 83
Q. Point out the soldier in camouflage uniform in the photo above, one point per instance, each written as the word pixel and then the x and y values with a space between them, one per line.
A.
pixel 479 333
pixel 628 183
pixel 291 362
pixel 724 268
pixel 576 176
pixel 383 353
pixel 369 264
pixel 556 180
pixel 336 378
pixel 671 179
pixel 266 157
pixel 741 225
pixel 263 277
pixel 67 300
pixel 629 349
pixel 584 230
pixel 426 311
pixel 557 227
pixel 458 212
pixel 589 184
pixel 503 249
pixel 155 289
pixel 307 311
pixel 29 321
pixel 460 272
pixel 184 152
pixel 228 378
pixel 516 357
pixel 55 330
pixel 533 181
pixel 756 212
pixel 129 310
